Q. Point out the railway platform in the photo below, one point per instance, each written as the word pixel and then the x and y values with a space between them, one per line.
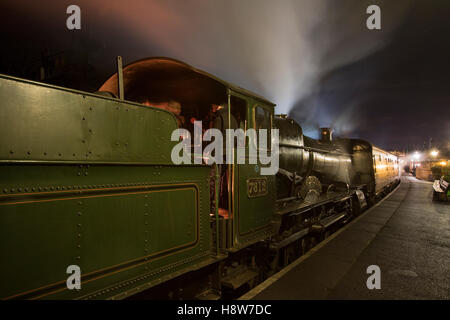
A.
pixel 406 235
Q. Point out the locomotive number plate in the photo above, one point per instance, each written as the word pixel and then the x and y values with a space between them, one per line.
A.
pixel 256 187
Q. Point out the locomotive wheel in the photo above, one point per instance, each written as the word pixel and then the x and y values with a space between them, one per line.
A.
pixel 311 183
pixel 371 200
pixel 297 192
pixel 304 245
pixel 312 242
pixel 356 207
pixel 287 256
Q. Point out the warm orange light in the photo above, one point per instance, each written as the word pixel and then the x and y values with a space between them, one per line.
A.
pixel 443 163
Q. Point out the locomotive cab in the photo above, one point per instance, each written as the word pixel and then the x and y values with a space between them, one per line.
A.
pixel 245 197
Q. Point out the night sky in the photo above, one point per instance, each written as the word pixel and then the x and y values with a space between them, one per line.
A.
pixel 315 59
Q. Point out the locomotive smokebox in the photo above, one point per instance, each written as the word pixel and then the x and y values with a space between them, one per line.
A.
pixel 326 134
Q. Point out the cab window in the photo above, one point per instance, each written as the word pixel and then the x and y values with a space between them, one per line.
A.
pixel 263 121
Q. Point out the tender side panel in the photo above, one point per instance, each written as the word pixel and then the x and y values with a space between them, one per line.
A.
pixel 115 232
pixel 53 124
pixel 88 181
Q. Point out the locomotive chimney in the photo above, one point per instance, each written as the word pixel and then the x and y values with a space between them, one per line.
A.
pixel 326 134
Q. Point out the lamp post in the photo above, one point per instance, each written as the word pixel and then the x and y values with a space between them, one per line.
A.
pixel 434 153
pixel 415 159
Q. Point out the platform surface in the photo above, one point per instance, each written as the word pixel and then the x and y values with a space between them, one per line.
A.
pixel 406 235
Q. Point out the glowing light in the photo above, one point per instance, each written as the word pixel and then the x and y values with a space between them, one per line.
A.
pixel 443 163
pixel 434 153
pixel 416 155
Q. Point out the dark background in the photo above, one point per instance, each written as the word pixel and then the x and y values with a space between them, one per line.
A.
pixel 315 58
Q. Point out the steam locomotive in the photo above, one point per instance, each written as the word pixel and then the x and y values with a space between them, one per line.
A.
pixel 88 181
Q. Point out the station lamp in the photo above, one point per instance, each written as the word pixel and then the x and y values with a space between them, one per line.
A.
pixel 434 153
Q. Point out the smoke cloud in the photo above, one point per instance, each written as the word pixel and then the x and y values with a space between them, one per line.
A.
pixel 279 49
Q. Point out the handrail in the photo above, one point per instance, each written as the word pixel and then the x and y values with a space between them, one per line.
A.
pixel 216 195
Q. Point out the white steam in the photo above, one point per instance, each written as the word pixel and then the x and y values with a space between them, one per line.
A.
pixel 277 48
